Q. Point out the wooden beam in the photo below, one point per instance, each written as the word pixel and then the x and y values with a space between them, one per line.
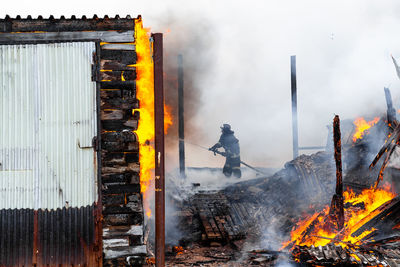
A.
pixel 32 37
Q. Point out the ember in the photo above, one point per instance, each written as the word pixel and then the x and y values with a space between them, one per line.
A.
pixel 177 250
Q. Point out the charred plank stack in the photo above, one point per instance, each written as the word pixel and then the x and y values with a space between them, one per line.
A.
pixel 122 202
pixel 210 218
pixel 222 222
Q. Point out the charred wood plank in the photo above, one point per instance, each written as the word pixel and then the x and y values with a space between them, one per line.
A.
pixel 132 157
pixel 119 76
pixel 115 65
pixel 127 177
pixel 120 231
pixel 116 242
pixel 119 125
pixel 215 228
pixel 112 114
pixel 235 228
pixel 34 37
pixel 118 46
pixel 122 219
pixel 119 146
pixel 113 200
pixel 118 99
pixel 110 159
pixel 391 112
pixel 126 57
pixel 124 251
pixel 128 85
pixel 122 136
pixel 132 167
pixel 239 217
pixel 207 227
pixel 385 163
pixel 388 148
pixel 220 224
pixel 123 209
pixel 120 189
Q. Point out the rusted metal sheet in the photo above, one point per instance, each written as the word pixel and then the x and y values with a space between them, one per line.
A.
pixel 62 236
pixel 159 149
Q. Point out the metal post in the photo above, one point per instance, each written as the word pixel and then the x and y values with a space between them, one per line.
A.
pixel 181 118
pixel 159 148
pixel 294 107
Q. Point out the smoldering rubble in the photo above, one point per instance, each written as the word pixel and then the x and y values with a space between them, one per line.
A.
pixel 247 222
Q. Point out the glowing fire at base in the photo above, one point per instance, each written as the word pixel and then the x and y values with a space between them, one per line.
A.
pixel 361 126
pixel 145 94
pixel 313 230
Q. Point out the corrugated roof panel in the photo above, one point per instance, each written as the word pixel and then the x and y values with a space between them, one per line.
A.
pixel 48 121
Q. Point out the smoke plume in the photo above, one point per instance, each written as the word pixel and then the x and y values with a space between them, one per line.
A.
pixel 236 60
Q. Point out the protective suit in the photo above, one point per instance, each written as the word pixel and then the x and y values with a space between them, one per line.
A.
pixel 232 151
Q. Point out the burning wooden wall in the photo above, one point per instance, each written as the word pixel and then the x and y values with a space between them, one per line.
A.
pixel 109 231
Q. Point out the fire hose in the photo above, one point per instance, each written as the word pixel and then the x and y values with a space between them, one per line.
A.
pixel 224 155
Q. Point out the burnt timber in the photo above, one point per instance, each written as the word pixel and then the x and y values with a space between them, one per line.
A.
pixel 110 233
pixel 337 210
pixel 268 207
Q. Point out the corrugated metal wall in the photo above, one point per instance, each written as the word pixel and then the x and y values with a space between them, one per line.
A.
pixel 62 236
pixel 48 120
pixel 49 213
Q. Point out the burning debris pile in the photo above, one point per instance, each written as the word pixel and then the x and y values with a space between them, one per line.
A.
pixel 356 226
pixel 360 225
pixel 367 238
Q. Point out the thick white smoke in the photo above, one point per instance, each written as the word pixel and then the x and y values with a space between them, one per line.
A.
pixel 343 62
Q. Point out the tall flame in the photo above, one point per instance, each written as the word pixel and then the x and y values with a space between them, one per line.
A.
pixel 361 126
pixel 310 230
pixel 145 94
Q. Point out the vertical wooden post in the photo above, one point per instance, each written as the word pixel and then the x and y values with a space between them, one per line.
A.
pixel 181 118
pixel 295 131
pixel 159 148
pixel 391 112
pixel 337 205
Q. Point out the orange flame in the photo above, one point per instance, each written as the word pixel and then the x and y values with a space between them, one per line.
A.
pixel 167 118
pixel 178 250
pixel 361 126
pixel 145 94
pixel 309 231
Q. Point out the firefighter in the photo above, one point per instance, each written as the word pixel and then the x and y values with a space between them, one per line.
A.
pixel 232 151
